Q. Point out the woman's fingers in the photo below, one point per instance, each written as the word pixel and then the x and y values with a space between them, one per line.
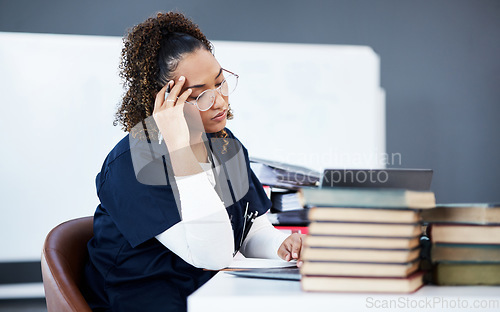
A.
pixel 283 252
pixel 184 96
pixel 170 99
pixel 296 246
pixel 291 247
pixel 175 90
pixel 166 99
pixel 160 97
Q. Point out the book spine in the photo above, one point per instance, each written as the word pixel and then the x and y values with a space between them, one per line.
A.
pixel 375 198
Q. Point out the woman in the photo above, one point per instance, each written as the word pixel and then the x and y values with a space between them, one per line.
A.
pixel 176 193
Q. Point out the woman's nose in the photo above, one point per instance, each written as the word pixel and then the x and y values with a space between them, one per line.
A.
pixel 220 102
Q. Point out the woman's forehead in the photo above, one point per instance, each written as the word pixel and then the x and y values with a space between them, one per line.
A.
pixel 198 67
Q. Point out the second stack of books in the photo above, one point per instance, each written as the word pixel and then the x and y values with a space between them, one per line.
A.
pixel 363 240
pixel 465 243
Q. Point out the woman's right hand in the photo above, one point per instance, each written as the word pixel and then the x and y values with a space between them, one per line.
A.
pixel 169 114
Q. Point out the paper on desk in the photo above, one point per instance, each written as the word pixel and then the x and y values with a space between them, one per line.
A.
pixel 254 263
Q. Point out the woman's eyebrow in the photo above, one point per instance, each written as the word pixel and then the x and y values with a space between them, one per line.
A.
pixel 220 72
pixel 202 85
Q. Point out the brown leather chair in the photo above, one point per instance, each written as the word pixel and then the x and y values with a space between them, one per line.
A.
pixel 63 259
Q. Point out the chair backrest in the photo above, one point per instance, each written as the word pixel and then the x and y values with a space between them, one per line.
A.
pixel 64 256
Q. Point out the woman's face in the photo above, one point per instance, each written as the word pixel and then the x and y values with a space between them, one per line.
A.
pixel 203 72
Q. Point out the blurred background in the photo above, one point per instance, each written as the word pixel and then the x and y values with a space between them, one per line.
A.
pixel 439 67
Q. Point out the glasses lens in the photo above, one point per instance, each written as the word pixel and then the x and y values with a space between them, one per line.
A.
pixel 205 100
pixel 229 84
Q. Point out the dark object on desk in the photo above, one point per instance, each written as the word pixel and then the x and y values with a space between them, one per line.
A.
pixel 411 179
pixel 290 218
pixel 292 274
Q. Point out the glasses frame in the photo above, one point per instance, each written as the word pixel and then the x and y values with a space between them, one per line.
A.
pixel 218 89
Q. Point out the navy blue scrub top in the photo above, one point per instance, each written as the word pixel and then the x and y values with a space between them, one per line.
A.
pixel 129 269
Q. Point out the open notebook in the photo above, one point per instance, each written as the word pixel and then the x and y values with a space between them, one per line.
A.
pixel 292 274
pixel 264 268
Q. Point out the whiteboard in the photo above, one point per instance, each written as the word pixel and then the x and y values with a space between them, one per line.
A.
pixel 317 106
pixel 312 105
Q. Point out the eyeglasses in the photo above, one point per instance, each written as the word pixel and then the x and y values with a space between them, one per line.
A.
pixel 206 99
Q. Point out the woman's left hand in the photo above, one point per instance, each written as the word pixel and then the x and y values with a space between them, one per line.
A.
pixel 291 247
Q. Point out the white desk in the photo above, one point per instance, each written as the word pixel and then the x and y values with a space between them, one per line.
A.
pixel 226 292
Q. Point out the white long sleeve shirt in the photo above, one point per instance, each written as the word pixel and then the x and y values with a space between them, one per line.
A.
pixel 204 238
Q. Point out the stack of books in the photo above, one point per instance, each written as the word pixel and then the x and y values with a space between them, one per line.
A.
pixel 363 239
pixel 465 243
pixel 285 200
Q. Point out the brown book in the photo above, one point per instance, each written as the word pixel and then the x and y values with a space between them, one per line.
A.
pixel 463 213
pixel 362 284
pixel 358 269
pixel 464 233
pixel 466 274
pixel 360 255
pixel 364 215
pixel 365 229
pixel 361 242
pixel 465 253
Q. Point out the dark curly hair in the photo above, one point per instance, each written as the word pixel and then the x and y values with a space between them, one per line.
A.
pixel 152 50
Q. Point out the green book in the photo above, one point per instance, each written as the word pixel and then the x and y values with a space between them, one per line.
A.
pixel 465 253
pixel 451 274
pixel 366 197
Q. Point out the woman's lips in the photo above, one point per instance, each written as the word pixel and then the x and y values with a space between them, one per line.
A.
pixel 220 116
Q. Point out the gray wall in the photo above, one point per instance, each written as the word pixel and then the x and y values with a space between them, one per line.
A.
pixel 440 65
